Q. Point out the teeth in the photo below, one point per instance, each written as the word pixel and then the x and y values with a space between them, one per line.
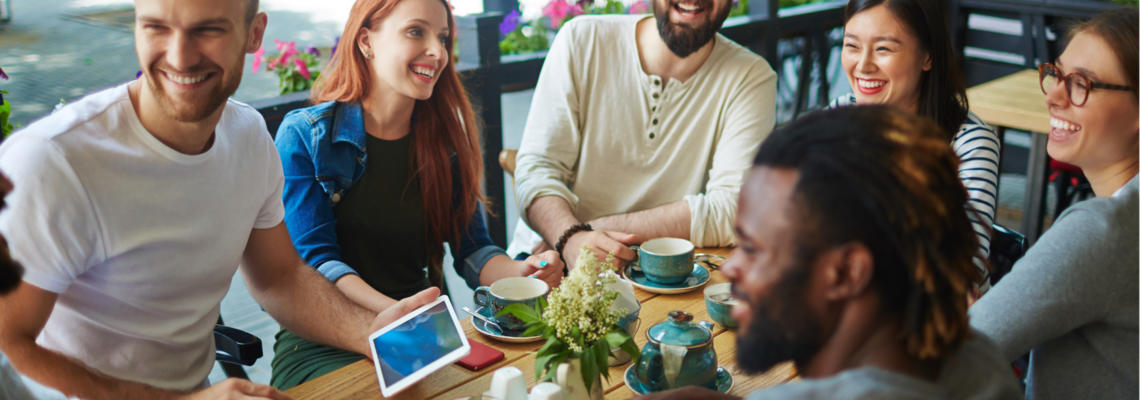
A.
pixel 1062 124
pixel 186 80
pixel 870 84
pixel 688 7
pixel 424 71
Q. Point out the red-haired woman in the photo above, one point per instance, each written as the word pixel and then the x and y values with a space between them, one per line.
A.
pixel 384 170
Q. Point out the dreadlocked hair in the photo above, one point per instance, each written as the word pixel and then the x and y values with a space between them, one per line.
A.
pixel 881 177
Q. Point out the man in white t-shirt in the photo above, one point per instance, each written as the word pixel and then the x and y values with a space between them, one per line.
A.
pixel 132 210
pixel 642 127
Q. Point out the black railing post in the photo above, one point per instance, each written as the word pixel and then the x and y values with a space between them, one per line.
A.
pixel 479 44
pixel 768 10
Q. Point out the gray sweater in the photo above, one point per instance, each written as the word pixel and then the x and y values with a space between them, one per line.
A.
pixel 1073 301
pixel 974 372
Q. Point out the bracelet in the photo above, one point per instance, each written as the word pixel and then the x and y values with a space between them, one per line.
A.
pixel 579 227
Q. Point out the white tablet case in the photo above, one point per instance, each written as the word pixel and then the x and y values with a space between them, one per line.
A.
pixel 455 355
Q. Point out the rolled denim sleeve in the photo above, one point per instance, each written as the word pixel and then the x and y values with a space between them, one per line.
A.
pixel 474 250
pixel 308 210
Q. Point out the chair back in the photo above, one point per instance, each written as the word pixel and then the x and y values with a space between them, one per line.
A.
pixel 507 160
pixel 1006 247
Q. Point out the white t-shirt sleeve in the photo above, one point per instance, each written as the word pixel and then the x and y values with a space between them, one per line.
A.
pixel 273 210
pixel 50 224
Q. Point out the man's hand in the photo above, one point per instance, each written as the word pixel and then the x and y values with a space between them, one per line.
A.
pixel 400 309
pixel 602 243
pixel 237 389
pixel 687 392
pixel 545 266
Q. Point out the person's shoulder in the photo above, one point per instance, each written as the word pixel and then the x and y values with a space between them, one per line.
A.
pixel 731 55
pixel 973 126
pixel 1116 212
pixel 70 126
pixel 976 370
pixel 855 384
pixel 305 119
pixel 602 29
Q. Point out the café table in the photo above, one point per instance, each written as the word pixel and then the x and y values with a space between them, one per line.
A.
pixel 358 380
pixel 1016 101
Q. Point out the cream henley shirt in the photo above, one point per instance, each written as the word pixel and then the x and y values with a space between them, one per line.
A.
pixel 611 139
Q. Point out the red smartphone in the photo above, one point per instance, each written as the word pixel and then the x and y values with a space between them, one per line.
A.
pixel 481 356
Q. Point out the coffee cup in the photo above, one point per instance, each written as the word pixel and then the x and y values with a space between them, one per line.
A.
pixel 665 261
pixel 509 291
pixel 719 302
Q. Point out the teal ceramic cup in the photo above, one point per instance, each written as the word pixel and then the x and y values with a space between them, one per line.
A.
pixel 719 301
pixel 665 261
pixel 509 291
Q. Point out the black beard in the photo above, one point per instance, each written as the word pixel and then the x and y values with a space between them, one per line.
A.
pixel 779 333
pixel 684 40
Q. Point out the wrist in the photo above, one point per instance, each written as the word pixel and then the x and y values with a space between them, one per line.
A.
pixel 564 240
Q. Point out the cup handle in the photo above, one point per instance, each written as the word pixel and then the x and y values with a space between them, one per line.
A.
pixel 636 263
pixel 482 301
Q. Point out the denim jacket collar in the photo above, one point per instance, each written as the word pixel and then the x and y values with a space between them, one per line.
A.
pixel 348 125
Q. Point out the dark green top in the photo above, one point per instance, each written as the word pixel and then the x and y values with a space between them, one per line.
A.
pixel 380 222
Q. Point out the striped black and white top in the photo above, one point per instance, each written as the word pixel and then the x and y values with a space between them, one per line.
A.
pixel 978 149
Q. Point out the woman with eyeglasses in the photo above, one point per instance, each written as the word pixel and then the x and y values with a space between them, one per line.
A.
pixel 898 53
pixel 1071 302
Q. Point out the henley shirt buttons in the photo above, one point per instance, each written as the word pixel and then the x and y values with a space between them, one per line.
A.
pixel 656 82
pixel 651 135
pixel 336 197
pixel 655 121
pixel 655 95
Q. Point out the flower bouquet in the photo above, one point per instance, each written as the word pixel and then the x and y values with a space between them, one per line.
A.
pixel 579 322
pixel 291 66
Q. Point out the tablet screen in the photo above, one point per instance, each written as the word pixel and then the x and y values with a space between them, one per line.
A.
pixel 416 343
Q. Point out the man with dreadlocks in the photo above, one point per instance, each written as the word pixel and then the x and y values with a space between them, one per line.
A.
pixel 853 262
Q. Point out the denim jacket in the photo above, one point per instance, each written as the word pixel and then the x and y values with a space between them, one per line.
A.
pixel 323 155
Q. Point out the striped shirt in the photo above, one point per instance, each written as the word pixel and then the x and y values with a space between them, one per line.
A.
pixel 978 149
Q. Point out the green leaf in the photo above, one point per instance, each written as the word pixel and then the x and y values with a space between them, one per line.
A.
pixel 631 348
pixel 589 368
pixel 602 357
pixel 534 328
pixel 521 311
pixel 553 345
pixel 617 336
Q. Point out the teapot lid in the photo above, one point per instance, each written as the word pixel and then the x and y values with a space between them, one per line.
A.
pixel 679 330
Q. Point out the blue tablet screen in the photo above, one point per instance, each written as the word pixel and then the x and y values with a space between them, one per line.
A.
pixel 416 343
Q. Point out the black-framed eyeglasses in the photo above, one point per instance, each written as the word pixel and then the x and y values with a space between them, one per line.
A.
pixel 1077 86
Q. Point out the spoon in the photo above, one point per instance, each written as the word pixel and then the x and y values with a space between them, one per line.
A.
pixel 489 324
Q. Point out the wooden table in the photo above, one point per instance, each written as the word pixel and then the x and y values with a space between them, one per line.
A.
pixel 1015 101
pixel 358 381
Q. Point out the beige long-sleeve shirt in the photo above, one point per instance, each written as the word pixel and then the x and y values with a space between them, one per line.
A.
pixel 611 139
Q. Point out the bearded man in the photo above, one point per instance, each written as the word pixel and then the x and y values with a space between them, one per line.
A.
pixel 132 210
pixel 855 262
pixel 643 128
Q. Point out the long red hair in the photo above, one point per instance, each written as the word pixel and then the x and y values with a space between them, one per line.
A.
pixel 444 123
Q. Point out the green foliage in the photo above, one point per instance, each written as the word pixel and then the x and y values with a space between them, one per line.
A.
pixel 594 357
pixel 290 78
pixel 5 112
pixel 611 7
pixel 517 42
pixel 738 9
pixel 1127 2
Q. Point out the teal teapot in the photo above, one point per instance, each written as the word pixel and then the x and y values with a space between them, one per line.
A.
pixel 678 353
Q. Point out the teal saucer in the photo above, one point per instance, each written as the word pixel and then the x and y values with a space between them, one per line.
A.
pixel 696 279
pixel 508 337
pixel 723 381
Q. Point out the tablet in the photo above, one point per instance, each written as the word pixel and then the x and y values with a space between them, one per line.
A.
pixel 416 345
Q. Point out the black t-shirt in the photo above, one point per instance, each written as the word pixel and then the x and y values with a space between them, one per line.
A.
pixel 380 222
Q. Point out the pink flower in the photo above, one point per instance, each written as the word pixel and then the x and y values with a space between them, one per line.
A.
pixel 302 67
pixel 640 7
pixel 257 59
pixel 556 10
pixel 287 50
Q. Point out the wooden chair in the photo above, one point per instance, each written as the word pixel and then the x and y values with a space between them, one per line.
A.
pixel 507 161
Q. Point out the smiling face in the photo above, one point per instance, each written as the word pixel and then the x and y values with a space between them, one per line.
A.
pixel 1104 131
pixel 770 279
pixel 883 59
pixel 413 48
pixel 192 53
pixel 688 25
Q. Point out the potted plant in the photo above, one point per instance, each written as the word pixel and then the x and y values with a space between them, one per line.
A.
pixel 580 327
pixel 291 66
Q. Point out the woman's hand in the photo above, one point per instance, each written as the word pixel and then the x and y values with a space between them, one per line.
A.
pixel 545 266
